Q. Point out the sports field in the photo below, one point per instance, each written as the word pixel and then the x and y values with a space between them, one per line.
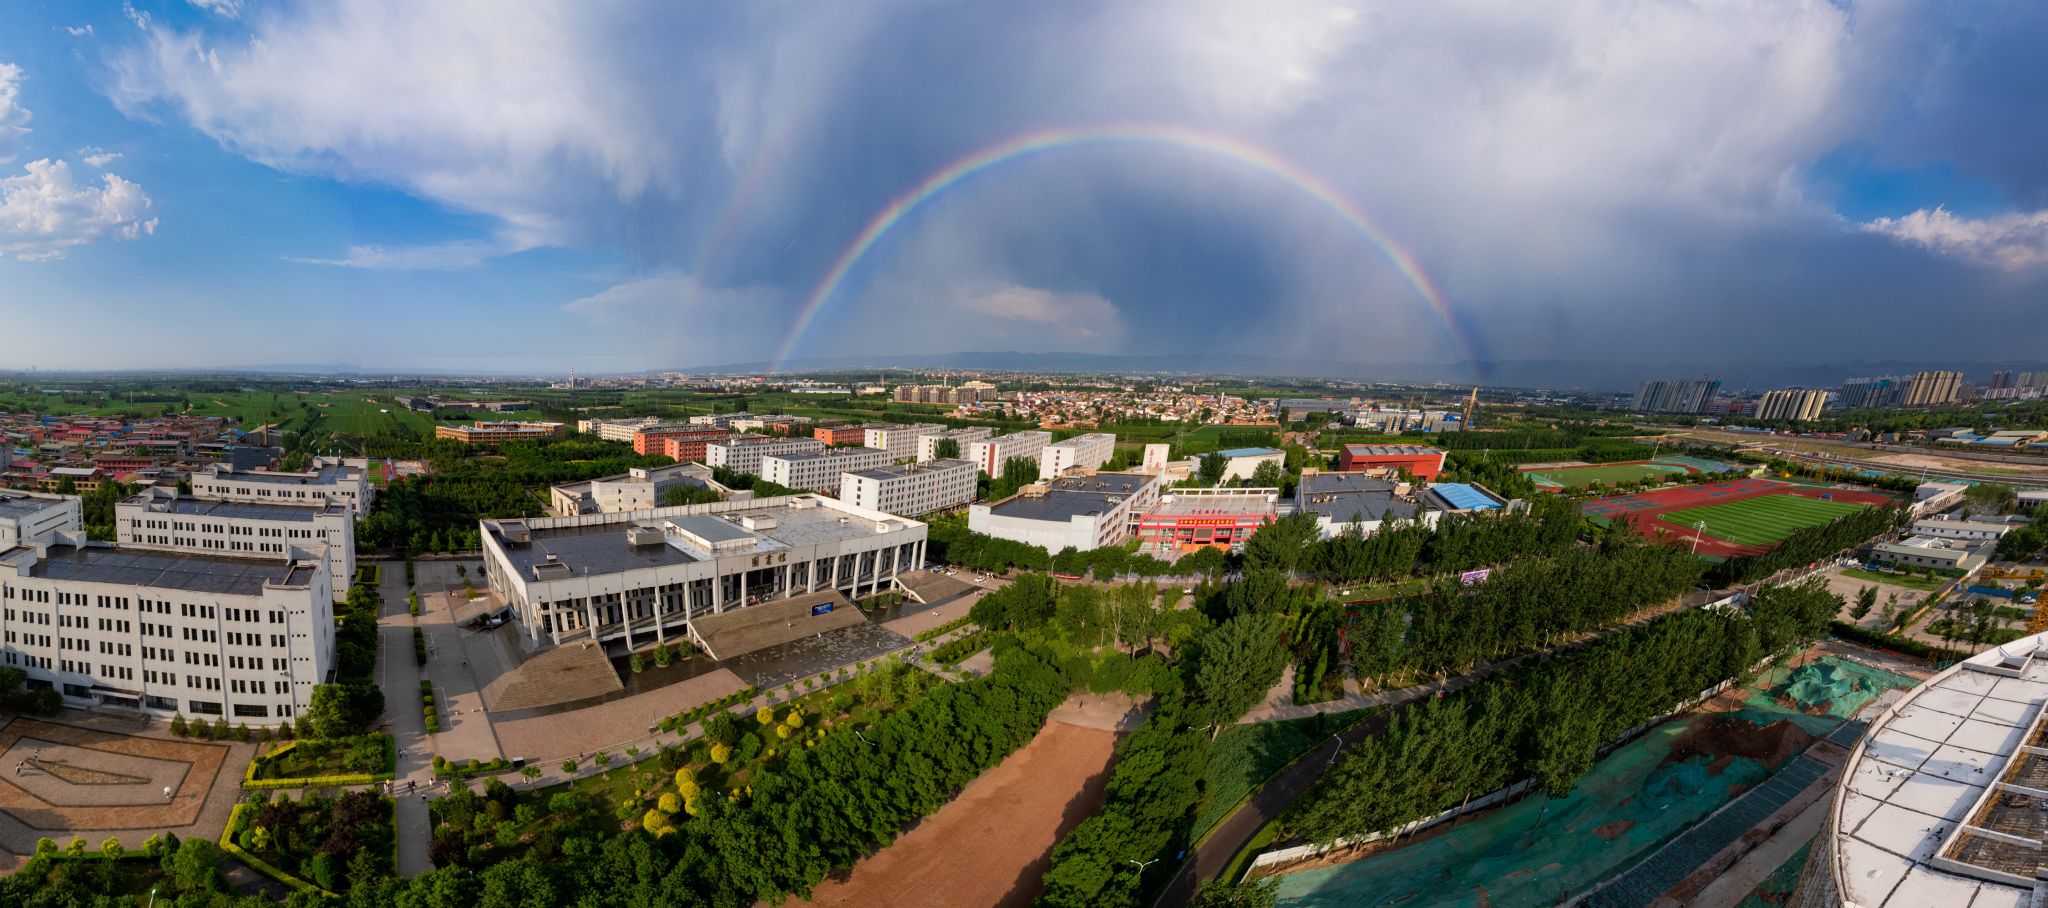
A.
pixel 1581 477
pixel 1762 520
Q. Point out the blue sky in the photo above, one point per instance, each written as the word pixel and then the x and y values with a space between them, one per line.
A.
pixel 628 185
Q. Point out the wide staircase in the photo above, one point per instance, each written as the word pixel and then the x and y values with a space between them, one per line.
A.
pixel 1692 849
pixel 560 674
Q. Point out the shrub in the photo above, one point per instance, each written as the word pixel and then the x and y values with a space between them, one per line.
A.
pixel 569 766
pixel 636 664
pixel 178 725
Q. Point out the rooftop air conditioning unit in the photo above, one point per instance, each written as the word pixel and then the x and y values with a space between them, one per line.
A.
pixel 639 536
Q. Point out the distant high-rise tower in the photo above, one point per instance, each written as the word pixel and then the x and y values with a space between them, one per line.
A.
pixel 1934 389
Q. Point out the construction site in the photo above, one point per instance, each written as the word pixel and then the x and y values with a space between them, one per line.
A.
pixel 1659 817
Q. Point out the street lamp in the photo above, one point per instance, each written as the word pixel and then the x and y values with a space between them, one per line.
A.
pixel 1335 750
pixel 1697 528
pixel 1143 864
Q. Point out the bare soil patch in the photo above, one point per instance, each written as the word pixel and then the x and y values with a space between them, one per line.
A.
pixel 992 844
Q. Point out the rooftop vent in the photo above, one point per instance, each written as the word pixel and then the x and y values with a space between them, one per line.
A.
pixel 638 536
pixel 758 522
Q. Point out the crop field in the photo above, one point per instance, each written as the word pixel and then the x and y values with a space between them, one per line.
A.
pixel 1581 477
pixel 1763 520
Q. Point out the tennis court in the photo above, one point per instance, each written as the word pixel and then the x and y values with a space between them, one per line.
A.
pixel 1763 520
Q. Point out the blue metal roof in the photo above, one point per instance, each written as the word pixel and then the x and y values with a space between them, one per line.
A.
pixel 1464 497
pixel 1235 453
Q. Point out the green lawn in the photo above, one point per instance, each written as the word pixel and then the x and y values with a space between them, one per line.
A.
pixel 1580 477
pixel 1762 520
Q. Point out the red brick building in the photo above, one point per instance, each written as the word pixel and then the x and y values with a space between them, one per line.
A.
pixel 840 435
pixel 1421 461
pixel 654 439
pixel 689 448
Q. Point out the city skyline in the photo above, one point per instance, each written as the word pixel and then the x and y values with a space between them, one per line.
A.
pixel 200 185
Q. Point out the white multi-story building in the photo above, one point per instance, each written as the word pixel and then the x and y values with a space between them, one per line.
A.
pixel 1087 452
pixel 330 481
pixel 911 489
pixel 743 455
pixel 644 576
pixel 165 633
pixel 900 441
pixel 1083 511
pixel 990 455
pixel 26 517
pixel 635 490
pixel 818 471
pixel 616 429
pixel 159 519
pixel 928 445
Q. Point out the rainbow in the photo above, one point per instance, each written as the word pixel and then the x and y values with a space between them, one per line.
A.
pixel 1031 144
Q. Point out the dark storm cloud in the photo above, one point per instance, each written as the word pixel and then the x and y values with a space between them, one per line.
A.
pixel 1580 178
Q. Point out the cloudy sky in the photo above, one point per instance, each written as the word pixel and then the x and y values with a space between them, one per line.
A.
pixel 609 185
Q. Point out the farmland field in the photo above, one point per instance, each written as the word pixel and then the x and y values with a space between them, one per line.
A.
pixel 1762 520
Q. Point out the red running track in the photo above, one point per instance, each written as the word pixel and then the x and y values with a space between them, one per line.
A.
pixel 1645 511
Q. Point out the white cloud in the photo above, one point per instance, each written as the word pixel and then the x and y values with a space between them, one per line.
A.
pixel 44 214
pixel 447 256
pixel 98 157
pixel 674 318
pixel 228 8
pixel 2014 242
pixel 78 31
pixel 12 114
pixel 1083 318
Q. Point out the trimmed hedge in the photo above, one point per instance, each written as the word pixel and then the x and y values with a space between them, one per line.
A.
pixel 942 629
pixel 419 646
pixel 250 781
pixel 236 818
pixel 463 769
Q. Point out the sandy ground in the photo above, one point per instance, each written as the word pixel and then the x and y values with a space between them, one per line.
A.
pixel 1929 462
pixel 1847 588
pixel 992 844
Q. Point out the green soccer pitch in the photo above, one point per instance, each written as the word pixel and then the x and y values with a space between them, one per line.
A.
pixel 1762 520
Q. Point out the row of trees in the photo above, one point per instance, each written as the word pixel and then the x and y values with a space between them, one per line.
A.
pixel 1526 604
pixel 439 512
pixel 1156 786
pixel 1548 720
pixel 1811 544
pixel 1410 549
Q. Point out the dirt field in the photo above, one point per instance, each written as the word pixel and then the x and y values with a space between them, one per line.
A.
pixel 993 843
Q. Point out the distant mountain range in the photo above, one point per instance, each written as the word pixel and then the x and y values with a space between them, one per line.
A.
pixel 1525 373
pixel 1528 373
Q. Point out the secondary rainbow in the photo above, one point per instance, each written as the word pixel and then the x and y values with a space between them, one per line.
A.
pixel 1031 144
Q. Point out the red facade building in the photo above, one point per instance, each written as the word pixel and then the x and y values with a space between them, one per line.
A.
pixel 1421 461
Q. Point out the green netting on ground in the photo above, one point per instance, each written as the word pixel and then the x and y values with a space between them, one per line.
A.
pixel 1539 850
pixel 1776 889
pixel 1822 692
pixel 1702 464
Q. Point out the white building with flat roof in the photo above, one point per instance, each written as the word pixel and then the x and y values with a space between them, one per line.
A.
pixel 164 632
pixel 1939 801
pixel 1971 530
pixel 1082 511
pixel 819 471
pixel 329 481
pixel 900 441
pixel 616 429
pixel 642 577
pixel 991 454
pixel 26 517
pixel 911 489
pixel 743 455
pixel 159 519
pixel 635 490
pixel 1933 552
pixel 1085 452
pixel 928 445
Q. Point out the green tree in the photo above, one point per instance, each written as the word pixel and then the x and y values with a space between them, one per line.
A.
pixel 1866 599
pixel 1225 894
pixel 1210 468
pixel 946 449
pixel 1241 659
